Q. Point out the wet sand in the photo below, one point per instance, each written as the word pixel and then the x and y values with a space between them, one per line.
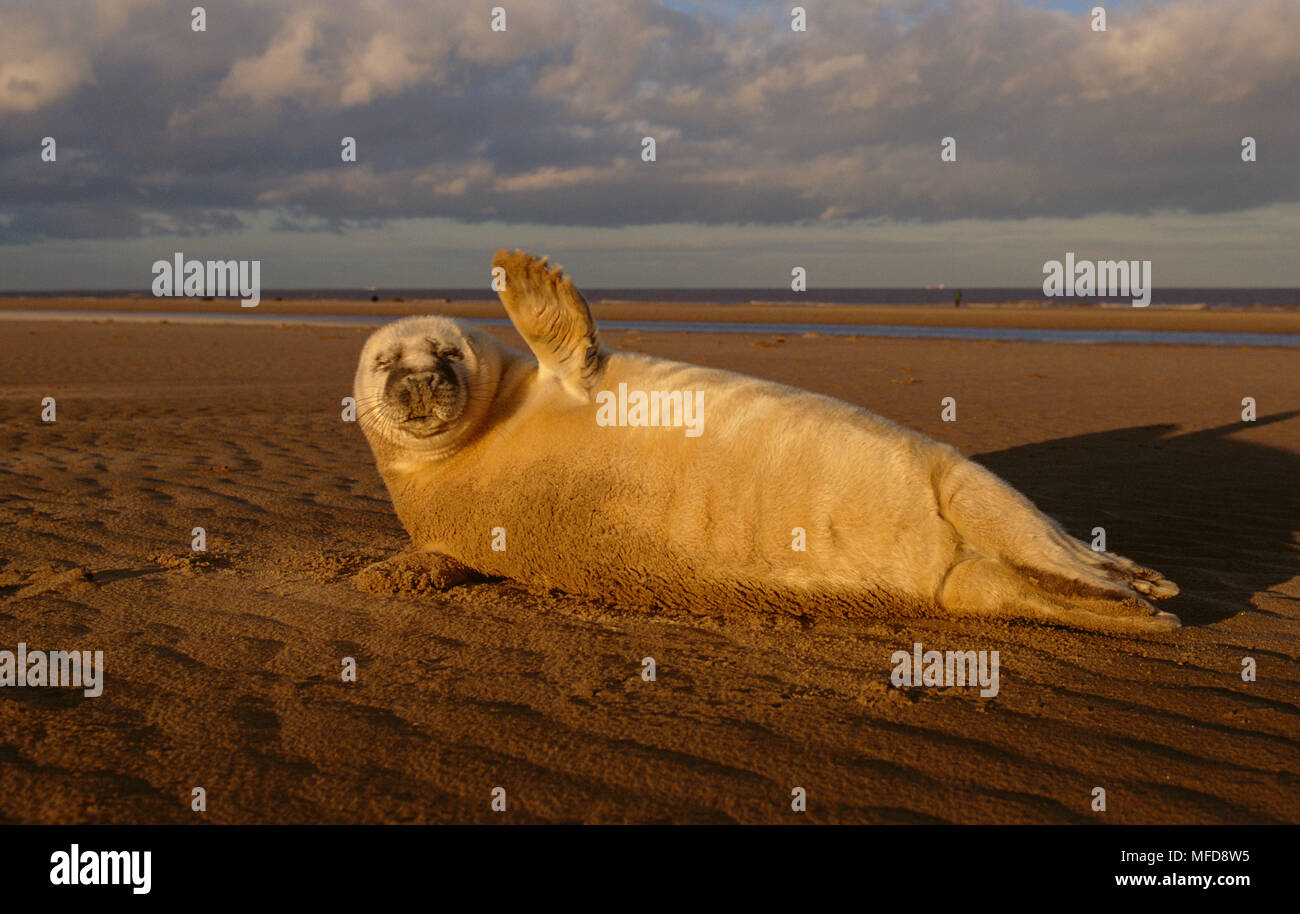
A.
pixel 1032 315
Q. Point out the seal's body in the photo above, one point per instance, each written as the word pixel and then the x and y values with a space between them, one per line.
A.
pixel 640 480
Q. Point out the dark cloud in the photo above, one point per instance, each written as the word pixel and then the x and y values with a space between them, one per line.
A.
pixel 161 127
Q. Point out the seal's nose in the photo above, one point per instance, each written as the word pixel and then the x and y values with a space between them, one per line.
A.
pixel 417 391
pixel 423 392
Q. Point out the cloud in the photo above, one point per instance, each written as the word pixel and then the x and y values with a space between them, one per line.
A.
pixel 282 70
pixel 543 123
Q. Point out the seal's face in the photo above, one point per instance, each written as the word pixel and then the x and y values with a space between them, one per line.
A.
pixel 425 388
pixel 417 383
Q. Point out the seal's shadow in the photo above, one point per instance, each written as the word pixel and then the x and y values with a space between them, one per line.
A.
pixel 1213 512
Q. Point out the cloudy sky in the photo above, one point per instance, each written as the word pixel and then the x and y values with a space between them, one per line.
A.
pixel 774 148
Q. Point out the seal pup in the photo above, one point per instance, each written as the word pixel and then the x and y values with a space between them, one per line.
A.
pixel 544 469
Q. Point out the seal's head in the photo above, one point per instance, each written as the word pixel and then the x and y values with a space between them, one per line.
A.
pixel 422 386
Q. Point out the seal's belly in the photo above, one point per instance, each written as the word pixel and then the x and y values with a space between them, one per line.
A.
pixel 735 480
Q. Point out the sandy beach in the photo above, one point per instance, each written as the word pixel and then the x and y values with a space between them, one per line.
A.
pixel 222 669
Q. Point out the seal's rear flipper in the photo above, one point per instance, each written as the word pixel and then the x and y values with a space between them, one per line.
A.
pixel 1039 567
pixel 552 317
pixel 982 586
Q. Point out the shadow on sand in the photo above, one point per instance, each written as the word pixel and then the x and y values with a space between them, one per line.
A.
pixel 1215 513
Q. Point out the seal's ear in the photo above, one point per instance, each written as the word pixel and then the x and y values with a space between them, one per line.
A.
pixel 552 317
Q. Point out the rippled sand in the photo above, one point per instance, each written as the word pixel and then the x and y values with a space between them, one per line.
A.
pixel 223 671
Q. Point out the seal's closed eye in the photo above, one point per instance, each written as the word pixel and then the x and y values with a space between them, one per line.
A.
pixel 443 352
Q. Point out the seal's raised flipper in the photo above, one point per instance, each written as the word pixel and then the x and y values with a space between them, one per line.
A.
pixel 552 317
pixel 413 572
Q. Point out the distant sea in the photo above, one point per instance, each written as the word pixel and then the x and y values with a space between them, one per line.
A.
pixel 1187 297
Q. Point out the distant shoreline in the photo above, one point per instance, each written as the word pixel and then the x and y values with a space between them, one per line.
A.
pixel 1227 328
pixel 1190 298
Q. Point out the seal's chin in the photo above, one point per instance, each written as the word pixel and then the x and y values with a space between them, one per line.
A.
pixel 430 416
pixel 426 426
